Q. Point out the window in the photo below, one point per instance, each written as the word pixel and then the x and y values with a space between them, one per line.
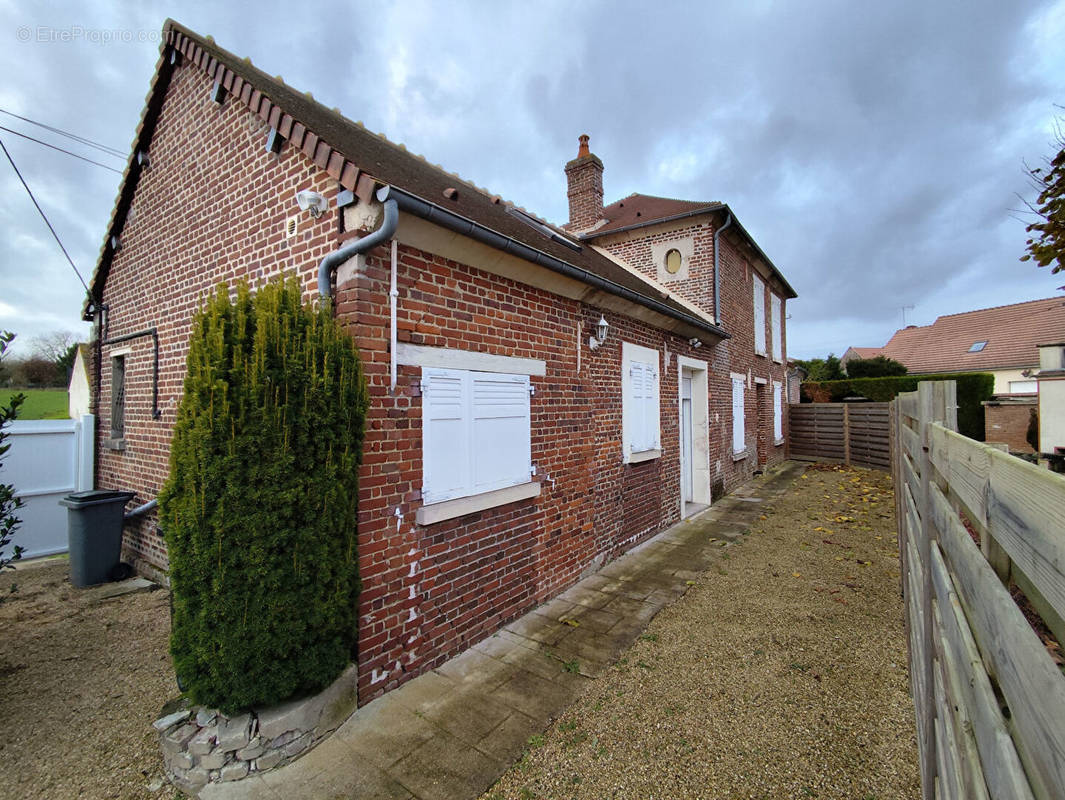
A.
pixel 739 435
pixel 639 403
pixel 778 413
pixel 778 327
pixel 759 315
pixel 476 434
pixel 1024 387
pixel 978 346
pixel 118 397
pixel 673 261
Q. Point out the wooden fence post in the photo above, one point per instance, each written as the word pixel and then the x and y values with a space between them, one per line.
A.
pixel 926 703
pixel 846 434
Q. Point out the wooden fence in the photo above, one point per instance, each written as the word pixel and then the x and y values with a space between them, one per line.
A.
pixel 850 433
pixel 989 698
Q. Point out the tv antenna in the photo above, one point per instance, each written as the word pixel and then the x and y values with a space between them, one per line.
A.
pixel 903 309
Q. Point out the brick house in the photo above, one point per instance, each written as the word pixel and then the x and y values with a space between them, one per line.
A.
pixel 514 442
pixel 1003 340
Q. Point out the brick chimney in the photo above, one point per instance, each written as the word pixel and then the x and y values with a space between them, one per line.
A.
pixel 584 174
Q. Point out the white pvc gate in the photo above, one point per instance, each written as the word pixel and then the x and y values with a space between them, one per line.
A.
pixel 48 459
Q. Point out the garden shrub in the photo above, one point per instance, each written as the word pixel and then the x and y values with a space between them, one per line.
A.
pixel 260 507
pixel 973 389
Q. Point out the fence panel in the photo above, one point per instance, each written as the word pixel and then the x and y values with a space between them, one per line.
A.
pixel 47 460
pixel 989 699
pixel 850 433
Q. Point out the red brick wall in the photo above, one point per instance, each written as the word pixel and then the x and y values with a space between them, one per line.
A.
pixel 213 207
pixel 1008 423
pixel 584 181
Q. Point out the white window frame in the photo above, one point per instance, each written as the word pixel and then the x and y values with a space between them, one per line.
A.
pixel 641 424
pixel 739 421
pixel 778 413
pixel 759 314
pixel 1032 383
pixel 464 492
pixel 776 305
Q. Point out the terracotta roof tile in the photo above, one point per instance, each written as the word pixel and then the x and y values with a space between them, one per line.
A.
pixel 1013 334
pixel 644 209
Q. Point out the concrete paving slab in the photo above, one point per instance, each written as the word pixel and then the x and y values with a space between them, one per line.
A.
pixel 477 671
pixel 535 696
pixel 468 716
pixel 251 788
pixel 506 741
pixel 445 768
pixel 363 782
pixel 109 591
pixel 383 732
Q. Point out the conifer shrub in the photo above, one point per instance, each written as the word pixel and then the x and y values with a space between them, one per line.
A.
pixel 259 509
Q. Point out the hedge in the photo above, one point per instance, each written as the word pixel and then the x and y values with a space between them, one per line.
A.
pixel 973 389
pixel 260 507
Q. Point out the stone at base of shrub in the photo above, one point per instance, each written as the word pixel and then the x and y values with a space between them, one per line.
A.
pixel 202 746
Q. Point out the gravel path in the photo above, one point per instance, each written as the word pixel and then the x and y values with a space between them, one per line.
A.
pixel 780 674
pixel 80 684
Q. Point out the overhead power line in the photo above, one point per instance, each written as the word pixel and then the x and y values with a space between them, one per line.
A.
pixel 112 151
pixel 44 217
pixel 60 149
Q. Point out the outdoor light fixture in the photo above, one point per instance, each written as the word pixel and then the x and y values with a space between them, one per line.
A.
pixel 311 201
pixel 601 329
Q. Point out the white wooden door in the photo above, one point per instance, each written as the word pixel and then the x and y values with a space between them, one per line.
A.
pixel 686 439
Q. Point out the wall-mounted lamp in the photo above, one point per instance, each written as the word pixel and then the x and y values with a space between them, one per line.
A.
pixel 311 201
pixel 695 342
pixel 602 328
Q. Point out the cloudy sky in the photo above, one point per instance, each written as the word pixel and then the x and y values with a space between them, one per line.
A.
pixel 875 151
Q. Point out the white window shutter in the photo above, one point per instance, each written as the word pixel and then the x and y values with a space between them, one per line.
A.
pixel 778 329
pixel 500 431
pixel 759 315
pixel 651 414
pixel 643 401
pixel 445 434
pixel 738 432
pixel 778 412
pixel 637 415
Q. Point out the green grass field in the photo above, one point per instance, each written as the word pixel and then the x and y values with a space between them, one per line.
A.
pixel 41 403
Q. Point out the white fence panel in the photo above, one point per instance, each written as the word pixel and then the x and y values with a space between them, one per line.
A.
pixel 48 459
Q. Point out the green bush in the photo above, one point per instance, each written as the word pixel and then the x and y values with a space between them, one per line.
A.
pixel 876 367
pixel 259 509
pixel 973 389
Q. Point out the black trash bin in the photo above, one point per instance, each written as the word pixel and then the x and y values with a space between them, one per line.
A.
pixel 94 527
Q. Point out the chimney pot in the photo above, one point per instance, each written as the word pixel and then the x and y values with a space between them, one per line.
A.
pixel 583 150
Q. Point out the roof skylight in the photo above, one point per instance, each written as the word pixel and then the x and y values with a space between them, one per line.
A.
pixel 978 346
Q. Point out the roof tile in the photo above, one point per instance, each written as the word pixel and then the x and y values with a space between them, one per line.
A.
pixel 1013 334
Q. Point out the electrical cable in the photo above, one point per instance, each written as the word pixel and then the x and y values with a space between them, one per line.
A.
pixel 44 217
pixel 109 150
pixel 60 149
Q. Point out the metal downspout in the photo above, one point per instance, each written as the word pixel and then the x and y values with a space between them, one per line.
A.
pixel 717 271
pixel 338 257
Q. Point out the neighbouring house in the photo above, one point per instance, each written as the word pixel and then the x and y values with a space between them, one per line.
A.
pixel 858 352
pixel 1003 340
pixel 543 398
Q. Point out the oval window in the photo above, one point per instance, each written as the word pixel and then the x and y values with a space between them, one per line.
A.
pixel 673 261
